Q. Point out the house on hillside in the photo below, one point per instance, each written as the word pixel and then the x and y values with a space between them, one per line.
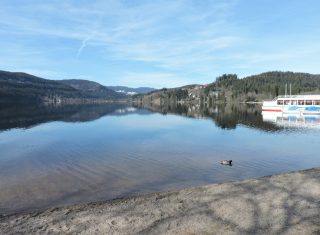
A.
pixel 214 94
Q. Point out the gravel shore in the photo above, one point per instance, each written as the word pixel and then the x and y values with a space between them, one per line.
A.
pixel 279 204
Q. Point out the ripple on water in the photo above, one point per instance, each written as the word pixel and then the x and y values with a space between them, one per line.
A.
pixel 105 158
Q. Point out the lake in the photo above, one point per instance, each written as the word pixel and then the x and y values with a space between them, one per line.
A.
pixel 54 156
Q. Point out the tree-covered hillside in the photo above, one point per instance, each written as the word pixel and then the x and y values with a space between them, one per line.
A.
pixel 92 89
pixel 267 84
pixel 25 88
pixel 230 88
pixel 22 87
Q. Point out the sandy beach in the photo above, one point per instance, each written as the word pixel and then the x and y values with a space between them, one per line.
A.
pixel 279 204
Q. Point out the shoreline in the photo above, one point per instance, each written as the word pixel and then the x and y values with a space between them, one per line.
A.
pixel 286 203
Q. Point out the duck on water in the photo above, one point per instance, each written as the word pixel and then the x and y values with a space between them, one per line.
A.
pixel 226 162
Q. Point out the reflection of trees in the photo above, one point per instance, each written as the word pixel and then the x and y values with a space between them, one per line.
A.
pixel 26 116
pixel 225 116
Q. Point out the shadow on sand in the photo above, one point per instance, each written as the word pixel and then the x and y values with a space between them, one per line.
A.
pixel 281 204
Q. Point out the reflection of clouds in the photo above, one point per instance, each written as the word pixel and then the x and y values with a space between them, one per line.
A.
pixel 126 110
pixel 154 121
pixel 126 154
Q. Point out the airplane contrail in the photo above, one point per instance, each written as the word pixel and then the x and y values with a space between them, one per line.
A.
pixel 83 45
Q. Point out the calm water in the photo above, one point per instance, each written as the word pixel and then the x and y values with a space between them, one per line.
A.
pixel 56 156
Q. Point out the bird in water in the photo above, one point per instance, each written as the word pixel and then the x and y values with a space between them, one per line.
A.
pixel 226 162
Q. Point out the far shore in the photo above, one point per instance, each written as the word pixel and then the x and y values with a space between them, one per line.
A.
pixel 279 204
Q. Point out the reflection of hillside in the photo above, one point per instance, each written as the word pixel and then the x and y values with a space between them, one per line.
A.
pixel 249 115
pixel 22 116
pixel 224 116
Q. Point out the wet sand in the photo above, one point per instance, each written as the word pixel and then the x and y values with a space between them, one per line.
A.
pixel 279 204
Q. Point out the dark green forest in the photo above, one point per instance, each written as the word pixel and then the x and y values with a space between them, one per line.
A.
pixel 231 88
pixel 266 84
pixel 22 87
pixel 25 88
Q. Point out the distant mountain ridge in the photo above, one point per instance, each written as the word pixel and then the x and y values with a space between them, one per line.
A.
pixel 131 91
pixel 230 88
pixel 92 89
pixel 25 88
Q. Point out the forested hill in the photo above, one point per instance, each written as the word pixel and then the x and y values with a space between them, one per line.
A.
pixel 26 88
pixel 266 84
pixel 92 89
pixel 22 87
pixel 230 88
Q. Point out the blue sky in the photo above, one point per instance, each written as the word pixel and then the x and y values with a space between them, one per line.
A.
pixel 158 43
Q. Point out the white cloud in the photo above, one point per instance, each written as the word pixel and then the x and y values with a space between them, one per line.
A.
pixel 171 42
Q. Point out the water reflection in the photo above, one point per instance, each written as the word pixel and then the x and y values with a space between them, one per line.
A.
pixel 27 116
pixel 98 152
pixel 227 116
pixel 224 116
pixel 293 121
